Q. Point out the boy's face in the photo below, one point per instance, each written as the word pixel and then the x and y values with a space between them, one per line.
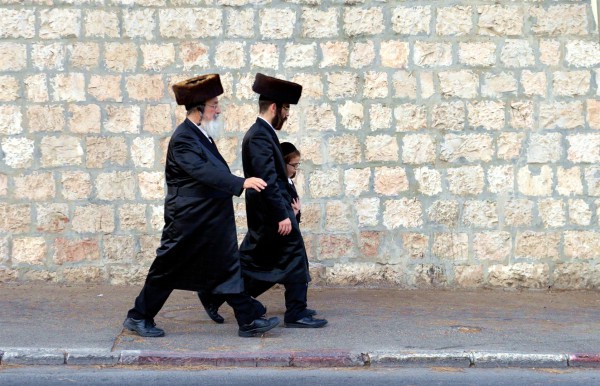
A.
pixel 293 166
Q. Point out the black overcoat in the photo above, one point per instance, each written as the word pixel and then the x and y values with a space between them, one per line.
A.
pixel 198 249
pixel 265 254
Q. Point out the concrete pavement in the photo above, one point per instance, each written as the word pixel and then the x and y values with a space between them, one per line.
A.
pixel 82 325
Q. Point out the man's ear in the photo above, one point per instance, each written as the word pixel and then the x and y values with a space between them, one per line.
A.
pixel 273 108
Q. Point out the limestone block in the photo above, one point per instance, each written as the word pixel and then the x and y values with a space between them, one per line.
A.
pixel 517 53
pixel 427 85
pixel 380 117
pixel 13 56
pixel 518 212
pixel 592 179
pixel 368 243
pixel 139 23
pixel 36 88
pixel 103 151
pixel 411 20
pixel 448 116
pixel 583 148
pixel 240 23
pixel 356 181
pixel 311 149
pixel 477 54
pixel 488 115
pixel 495 85
pixel 404 84
pixel 15 219
pixel 471 147
pixel 29 251
pixel 418 149
pixel 444 212
pixel 550 52
pixel 311 217
pixel 410 117
pixel 147 252
pixel 157 217
pixel 84 55
pixel 390 181
pixel 145 87
pixel 493 246
pixel 381 148
pixel 122 119
pixel 498 20
pixel 552 212
pixel 362 54
pixel 105 87
pixel 18 152
pixel 132 217
pixel 35 186
pixel 559 20
pixel 522 114
pixel 152 185
pixel 367 211
pixel 582 53
pixel 50 56
pixel 429 180
pixel 532 182
pixel 544 148
pixel 52 217
pixel 593 113
pixel 466 180
pixel 460 84
pixel 579 212
pixel 394 54
pixel 416 245
pixel 115 186
pixel 338 216
pixel 534 83
pixel 324 183
pixel 468 276
pixel 353 274
pixel 83 275
pixel 352 115
pixel 582 244
pixel 156 57
pixel 120 57
pixel 11 120
pixel 363 21
pixel 312 85
pixel 569 181
pixel 46 118
pixel 451 246
pixel 341 85
pixel 455 20
pixel 190 23
pixel 57 23
pixel 142 152
pixel 17 23
pixel 480 214
pixel 75 250
pixel 61 151
pixel 571 83
pixel 9 88
pixel 230 55
pixel 501 179
pixel 317 23
pixel 405 213
pixel 320 118
pixel 376 85
pixel 3 186
pixel 428 54
pixel 429 276
pixel 93 218
pixel 157 119
pixel 563 115
pixel 334 247
pixel 99 23
pixel 344 149
pixel 75 185
pixel 127 274
pixel 509 145
pixel 537 245
pixel 277 23
pixel 264 55
pixel 519 275
pixel 576 276
pixel 193 55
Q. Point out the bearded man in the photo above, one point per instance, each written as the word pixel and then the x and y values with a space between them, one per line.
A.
pixel 198 249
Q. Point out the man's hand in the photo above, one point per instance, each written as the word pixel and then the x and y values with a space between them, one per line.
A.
pixel 285 227
pixel 255 183
pixel 296 205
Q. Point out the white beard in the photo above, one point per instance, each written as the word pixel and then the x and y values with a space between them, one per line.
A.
pixel 214 128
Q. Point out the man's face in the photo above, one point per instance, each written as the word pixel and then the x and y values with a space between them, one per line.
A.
pixel 281 115
pixel 212 109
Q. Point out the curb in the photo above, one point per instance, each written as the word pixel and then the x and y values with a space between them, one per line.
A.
pixel 317 358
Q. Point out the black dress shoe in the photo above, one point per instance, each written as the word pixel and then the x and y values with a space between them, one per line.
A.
pixel 211 309
pixel 258 327
pixel 143 327
pixel 310 312
pixel 307 322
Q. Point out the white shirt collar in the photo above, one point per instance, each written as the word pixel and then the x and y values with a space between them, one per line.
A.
pixel 271 126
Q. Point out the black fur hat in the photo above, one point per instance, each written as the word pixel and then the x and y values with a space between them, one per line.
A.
pixel 276 90
pixel 195 91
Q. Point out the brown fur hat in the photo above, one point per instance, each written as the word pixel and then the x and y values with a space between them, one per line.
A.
pixel 276 90
pixel 195 91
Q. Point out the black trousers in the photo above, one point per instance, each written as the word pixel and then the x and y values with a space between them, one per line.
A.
pixel 151 299
pixel 295 296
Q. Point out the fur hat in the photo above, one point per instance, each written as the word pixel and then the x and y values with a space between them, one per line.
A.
pixel 195 91
pixel 287 148
pixel 276 90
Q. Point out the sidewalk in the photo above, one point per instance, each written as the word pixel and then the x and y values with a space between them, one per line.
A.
pixel 82 325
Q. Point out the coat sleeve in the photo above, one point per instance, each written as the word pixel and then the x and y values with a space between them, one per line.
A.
pixel 262 161
pixel 189 155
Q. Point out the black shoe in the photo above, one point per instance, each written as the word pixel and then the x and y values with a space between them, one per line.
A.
pixel 143 327
pixel 258 327
pixel 211 309
pixel 310 312
pixel 307 322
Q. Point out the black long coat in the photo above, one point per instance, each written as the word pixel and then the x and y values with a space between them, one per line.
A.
pixel 265 254
pixel 198 250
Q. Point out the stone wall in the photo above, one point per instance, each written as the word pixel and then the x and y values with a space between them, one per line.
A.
pixel 445 144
